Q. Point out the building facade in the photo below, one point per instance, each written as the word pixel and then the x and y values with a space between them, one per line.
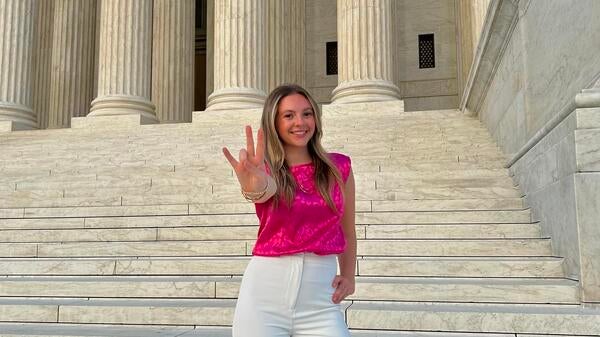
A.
pixel 164 59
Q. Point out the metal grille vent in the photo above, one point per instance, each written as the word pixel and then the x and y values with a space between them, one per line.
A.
pixel 426 51
pixel 332 58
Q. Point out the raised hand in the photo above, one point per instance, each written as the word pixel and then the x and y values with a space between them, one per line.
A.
pixel 250 167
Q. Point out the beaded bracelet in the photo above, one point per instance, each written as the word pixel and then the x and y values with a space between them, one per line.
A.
pixel 253 196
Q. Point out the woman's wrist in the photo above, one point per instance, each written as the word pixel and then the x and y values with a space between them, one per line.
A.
pixel 253 196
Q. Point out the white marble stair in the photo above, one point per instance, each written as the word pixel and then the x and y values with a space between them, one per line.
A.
pixel 483 290
pixel 474 318
pixel 65 233
pixel 569 320
pixel 507 267
pixel 98 330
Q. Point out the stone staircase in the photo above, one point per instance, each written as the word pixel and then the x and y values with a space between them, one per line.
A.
pixel 123 230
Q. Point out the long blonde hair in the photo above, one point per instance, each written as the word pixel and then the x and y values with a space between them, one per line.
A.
pixel 326 173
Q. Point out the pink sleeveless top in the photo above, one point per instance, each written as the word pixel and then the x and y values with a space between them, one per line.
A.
pixel 309 225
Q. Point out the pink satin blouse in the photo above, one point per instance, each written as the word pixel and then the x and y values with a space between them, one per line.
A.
pixel 309 225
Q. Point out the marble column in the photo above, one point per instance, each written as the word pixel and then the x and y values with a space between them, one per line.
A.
pixel 72 74
pixel 124 63
pixel 16 42
pixel 364 52
pixel 239 55
pixel 42 57
pixel 173 60
pixel 285 30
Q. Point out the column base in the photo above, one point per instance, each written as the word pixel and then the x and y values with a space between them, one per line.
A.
pixel 365 91
pixel 107 122
pixel 118 105
pixel 235 99
pixel 16 117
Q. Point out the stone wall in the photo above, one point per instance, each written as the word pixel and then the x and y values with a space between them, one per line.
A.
pixel 524 89
pixel 421 89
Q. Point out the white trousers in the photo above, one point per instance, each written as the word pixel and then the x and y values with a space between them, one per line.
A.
pixel 289 296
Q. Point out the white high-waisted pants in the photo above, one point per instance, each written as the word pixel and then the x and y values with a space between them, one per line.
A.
pixel 287 296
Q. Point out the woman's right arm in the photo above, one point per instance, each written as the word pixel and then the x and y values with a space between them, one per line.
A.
pixel 250 169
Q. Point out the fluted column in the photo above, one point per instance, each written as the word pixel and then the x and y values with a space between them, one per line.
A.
pixel 285 31
pixel 239 55
pixel 125 59
pixel 364 52
pixel 42 57
pixel 72 75
pixel 173 60
pixel 16 41
pixel 297 42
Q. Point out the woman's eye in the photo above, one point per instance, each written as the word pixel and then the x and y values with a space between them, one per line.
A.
pixel 308 113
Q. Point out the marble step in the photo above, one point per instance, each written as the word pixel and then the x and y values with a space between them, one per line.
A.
pixel 476 318
pixel 411 145
pixel 456 247
pixel 455 231
pixel 121 330
pixel 365 190
pixel 250 219
pixel 230 193
pixel 345 135
pixel 217 166
pixel 106 330
pixel 208 312
pixel 84 183
pixel 177 178
pixel 479 290
pixel 26 213
pixel 425 151
pixel 394 131
pixel 28 199
pixel 245 207
pixel 249 232
pixel 231 196
pixel 401 141
pixel 447 204
pixel 65 173
pixel 508 267
pixel 455 317
pixel 192 248
pixel 406 146
pixel 419 156
pixel 439 217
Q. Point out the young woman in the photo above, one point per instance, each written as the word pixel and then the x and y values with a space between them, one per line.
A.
pixel 304 199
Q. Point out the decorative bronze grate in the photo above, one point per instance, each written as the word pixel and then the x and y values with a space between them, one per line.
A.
pixel 426 51
pixel 332 58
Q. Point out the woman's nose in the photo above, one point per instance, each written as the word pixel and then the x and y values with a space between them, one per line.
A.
pixel 298 120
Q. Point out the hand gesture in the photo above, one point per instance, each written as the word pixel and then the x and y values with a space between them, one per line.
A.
pixel 250 167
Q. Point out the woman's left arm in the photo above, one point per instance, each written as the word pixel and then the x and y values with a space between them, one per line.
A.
pixel 344 283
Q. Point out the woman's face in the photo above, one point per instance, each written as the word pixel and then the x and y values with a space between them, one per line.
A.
pixel 295 121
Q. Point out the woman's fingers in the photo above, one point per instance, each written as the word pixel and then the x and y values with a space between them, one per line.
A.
pixel 232 161
pixel 343 288
pixel 249 161
pixel 249 141
pixel 260 147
